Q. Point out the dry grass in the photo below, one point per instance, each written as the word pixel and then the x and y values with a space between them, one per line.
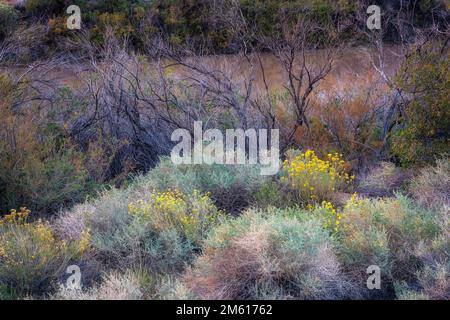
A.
pixel 382 180
pixel 257 257
pixel 114 286
pixel 431 187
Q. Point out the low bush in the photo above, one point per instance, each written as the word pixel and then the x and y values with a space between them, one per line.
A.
pixel 385 233
pixel 8 19
pixel 276 254
pixel 313 179
pixel 423 132
pixel 160 232
pixel 231 187
pixel 433 284
pixel 113 286
pixel 191 215
pixel 39 167
pixel 382 180
pixel 431 186
pixel 31 258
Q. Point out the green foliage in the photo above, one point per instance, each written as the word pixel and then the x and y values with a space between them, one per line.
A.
pixel 31 257
pixel 231 187
pixel 44 7
pixel 39 167
pixel 385 233
pixel 158 232
pixel 266 255
pixel 191 215
pixel 424 131
pixel 8 19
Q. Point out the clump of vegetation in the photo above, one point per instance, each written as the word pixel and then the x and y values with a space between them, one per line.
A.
pixel 383 179
pixel 32 259
pixel 192 215
pixel 8 19
pixel 424 132
pixel 39 167
pixel 231 187
pixel 431 186
pixel 267 255
pixel 161 232
pixel 385 233
pixel 113 286
pixel 315 179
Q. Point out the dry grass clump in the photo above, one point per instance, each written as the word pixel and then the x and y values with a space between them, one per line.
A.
pixel 232 188
pixel 386 233
pixel 382 180
pixel 433 284
pixel 315 179
pixel 431 187
pixel 32 258
pixel 113 286
pixel 267 255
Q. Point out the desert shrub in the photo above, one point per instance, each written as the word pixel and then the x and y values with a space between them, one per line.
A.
pixel 113 286
pixel 192 215
pixel 314 179
pixel 275 254
pixel 329 214
pixel 382 180
pixel 173 289
pixel 272 193
pixel 8 19
pixel 31 257
pixel 431 187
pixel 424 133
pixel 117 23
pixel 433 284
pixel 39 167
pixel 231 187
pixel 385 233
pixel 160 232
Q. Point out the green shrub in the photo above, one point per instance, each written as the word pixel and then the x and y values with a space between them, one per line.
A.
pixel 268 254
pixel 313 179
pixel 191 215
pixel 159 232
pixel 31 258
pixel 231 187
pixel 424 134
pixel 8 19
pixel 39 167
pixel 386 233
pixel 431 186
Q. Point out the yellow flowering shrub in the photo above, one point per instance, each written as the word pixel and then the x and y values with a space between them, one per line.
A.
pixel 331 215
pixel 31 257
pixel 192 215
pixel 314 178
